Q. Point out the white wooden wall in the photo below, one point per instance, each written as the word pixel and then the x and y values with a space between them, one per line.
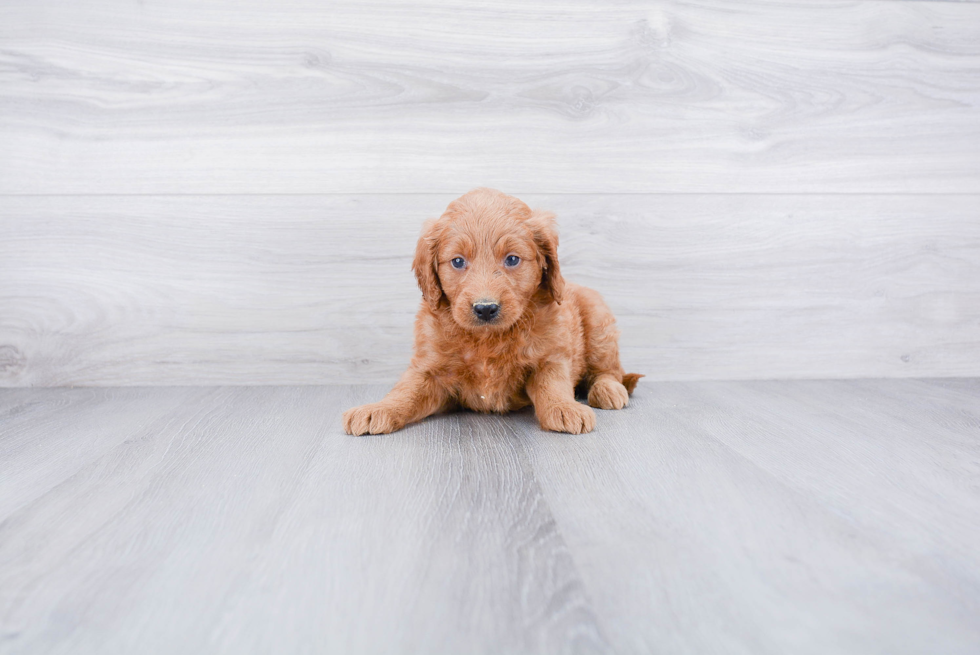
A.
pixel 229 191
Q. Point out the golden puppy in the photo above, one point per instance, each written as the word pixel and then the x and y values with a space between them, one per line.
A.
pixel 499 328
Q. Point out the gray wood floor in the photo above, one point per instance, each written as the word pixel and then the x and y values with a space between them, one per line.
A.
pixel 725 517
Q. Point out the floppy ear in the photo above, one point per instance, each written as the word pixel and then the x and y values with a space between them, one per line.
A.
pixel 542 224
pixel 425 264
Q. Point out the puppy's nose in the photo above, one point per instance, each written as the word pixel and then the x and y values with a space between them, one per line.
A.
pixel 486 311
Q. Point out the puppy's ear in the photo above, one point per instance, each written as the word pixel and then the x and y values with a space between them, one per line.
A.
pixel 542 224
pixel 425 265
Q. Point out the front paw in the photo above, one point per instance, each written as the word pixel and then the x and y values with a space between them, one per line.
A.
pixel 607 393
pixel 376 418
pixel 572 417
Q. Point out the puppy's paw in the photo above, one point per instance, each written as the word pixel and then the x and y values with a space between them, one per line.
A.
pixel 574 418
pixel 376 418
pixel 606 393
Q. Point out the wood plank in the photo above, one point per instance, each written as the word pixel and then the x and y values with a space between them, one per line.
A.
pixel 246 521
pixel 737 517
pixel 775 517
pixel 313 289
pixel 387 96
pixel 76 433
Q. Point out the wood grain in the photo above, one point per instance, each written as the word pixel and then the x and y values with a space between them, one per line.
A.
pixel 314 289
pixel 761 517
pixel 387 96
pixel 737 517
pixel 245 521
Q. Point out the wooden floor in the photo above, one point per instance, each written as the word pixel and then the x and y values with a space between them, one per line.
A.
pixel 707 517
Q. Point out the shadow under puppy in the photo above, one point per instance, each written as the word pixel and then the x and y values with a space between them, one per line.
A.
pixel 499 328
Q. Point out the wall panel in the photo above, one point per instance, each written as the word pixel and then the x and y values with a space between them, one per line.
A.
pixel 137 290
pixel 306 96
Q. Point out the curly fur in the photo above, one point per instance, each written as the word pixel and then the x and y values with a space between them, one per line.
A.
pixel 550 336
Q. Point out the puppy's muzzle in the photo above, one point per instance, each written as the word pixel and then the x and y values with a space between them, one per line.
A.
pixel 486 311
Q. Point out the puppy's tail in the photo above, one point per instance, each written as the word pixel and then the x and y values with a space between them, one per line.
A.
pixel 630 380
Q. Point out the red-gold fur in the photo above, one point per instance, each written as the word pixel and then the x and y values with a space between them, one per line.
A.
pixel 550 336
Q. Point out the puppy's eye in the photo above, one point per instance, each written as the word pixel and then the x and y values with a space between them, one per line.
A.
pixel 510 261
pixel 458 262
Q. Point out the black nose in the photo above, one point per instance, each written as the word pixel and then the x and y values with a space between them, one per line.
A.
pixel 486 311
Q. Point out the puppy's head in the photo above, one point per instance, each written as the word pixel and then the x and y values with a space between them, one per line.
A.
pixel 486 258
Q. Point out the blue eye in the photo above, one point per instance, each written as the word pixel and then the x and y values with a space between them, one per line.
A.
pixel 458 262
pixel 511 261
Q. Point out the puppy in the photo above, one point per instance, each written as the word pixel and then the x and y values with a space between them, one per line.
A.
pixel 499 328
